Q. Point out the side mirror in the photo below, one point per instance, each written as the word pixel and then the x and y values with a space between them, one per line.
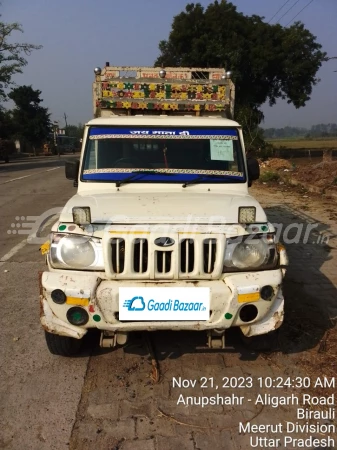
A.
pixel 253 170
pixel 71 170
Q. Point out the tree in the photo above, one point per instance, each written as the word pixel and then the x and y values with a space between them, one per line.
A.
pixel 75 131
pixel 267 61
pixel 250 119
pixel 30 120
pixel 6 124
pixel 11 55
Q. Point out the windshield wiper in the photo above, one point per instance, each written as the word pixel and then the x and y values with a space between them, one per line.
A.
pixel 141 172
pixel 199 178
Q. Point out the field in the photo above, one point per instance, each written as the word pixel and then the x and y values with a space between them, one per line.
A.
pixel 304 143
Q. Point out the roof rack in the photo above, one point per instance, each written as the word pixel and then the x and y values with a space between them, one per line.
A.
pixel 172 90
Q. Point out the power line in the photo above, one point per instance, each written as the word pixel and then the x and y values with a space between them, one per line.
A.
pixel 299 12
pixel 284 4
pixel 288 10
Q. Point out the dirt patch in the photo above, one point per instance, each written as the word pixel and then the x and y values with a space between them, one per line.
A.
pixel 323 175
pixel 316 177
pixel 275 164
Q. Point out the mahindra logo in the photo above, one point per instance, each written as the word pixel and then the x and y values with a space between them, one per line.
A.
pixel 164 242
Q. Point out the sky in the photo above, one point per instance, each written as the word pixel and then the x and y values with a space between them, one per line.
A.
pixel 79 35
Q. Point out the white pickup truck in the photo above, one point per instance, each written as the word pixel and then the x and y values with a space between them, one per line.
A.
pixel 162 233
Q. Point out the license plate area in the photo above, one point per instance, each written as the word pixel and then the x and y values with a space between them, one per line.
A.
pixel 164 303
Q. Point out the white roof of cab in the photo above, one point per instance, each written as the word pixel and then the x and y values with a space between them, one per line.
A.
pixel 165 121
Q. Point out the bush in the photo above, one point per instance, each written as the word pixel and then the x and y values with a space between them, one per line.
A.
pixel 7 148
pixel 269 175
pixel 266 151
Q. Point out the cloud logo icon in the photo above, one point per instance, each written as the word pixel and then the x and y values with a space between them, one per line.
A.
pixel 135 304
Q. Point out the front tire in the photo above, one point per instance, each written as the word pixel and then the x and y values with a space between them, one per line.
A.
pixel 62 345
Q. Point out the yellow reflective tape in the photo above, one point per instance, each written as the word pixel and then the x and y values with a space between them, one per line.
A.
pixel 252 297
pixel 45 248
pixel 77 301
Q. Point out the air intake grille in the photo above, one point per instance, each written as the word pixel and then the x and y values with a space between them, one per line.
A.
pixel 163 261
pixel 209 246
pixel 187 255
pixel 118 254
pixel 140 256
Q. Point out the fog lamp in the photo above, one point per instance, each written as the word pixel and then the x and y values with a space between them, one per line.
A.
pixel 248 313
pixel 247 214
pixel 58 296
pixel 267 292
pixel 81 215
pixel 77 316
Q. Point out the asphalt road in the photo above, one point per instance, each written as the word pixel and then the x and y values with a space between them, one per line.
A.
pixel 39 393
pixel 106 399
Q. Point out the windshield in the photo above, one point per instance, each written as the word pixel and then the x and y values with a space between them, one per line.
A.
pixel 113 154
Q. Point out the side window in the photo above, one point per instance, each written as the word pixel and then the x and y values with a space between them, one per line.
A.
pixel 90 158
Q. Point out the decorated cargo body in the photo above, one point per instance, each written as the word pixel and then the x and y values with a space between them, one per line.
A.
pixel 162 233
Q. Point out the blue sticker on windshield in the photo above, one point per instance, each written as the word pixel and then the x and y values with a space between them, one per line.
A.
pixel 168 133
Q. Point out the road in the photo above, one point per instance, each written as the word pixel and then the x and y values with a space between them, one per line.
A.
pixel 107 399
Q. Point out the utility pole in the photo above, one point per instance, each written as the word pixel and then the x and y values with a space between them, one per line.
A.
pixel 65 119
pixel 55 130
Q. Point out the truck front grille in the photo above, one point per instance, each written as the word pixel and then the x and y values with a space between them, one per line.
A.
pixel 141 258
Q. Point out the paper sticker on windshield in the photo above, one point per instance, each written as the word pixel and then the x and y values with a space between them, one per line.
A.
pixel 222 150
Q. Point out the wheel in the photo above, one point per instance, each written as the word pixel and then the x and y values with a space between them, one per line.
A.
pixel 263 342
pixel 62 345
pixel 6 159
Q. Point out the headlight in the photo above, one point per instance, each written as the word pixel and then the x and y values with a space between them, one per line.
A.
pixel 250 252
pixel 81 215
pixel 69 251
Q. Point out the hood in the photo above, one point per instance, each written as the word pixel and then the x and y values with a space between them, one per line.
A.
pixel 137 208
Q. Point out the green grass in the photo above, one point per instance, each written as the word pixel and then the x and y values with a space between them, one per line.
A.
pixel 269 175
pixel 304 143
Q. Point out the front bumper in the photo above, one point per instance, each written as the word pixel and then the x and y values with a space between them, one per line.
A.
pixel 103 304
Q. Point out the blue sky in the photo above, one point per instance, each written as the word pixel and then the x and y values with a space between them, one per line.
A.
pixel 78 35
